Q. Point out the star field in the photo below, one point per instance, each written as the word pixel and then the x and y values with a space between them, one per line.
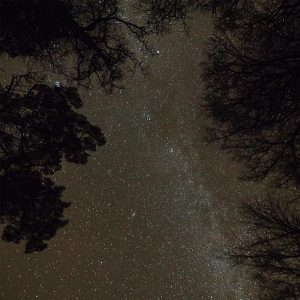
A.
pixel 153 209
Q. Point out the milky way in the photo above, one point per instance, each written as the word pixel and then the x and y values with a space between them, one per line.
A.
pixel 152 210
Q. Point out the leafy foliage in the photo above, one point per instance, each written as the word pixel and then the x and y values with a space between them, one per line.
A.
pixel 38 129
pixel 30 208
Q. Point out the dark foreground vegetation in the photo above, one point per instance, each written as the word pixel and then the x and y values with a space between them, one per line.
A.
pixel 252 94
pixel 39 127
pixel 252 78
pixel 83 41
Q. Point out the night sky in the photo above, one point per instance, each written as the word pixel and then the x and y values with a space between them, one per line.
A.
pixel 153 209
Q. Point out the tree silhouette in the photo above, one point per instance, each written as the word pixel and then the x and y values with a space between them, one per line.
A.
pixel 252 95
pixel 251 76
pixel 252 90
pixel 94 34
pixel 160 14
pixel 273 250
pixel 30 208
pixel 38 129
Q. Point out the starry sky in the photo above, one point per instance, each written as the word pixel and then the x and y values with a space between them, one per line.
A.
pixel 154 209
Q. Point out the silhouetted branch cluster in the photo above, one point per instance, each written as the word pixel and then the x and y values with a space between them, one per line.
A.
pixel 252 89
pixel 41 119
pixel 274 249
pixel 80 39
pixel 30 208
pixel 252 94
pixel 38 129
pixel 160 14
pixel 91 36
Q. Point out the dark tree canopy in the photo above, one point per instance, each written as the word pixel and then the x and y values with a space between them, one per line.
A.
pixel 251 76
pixel 161 13
pixel 38 129
pixel 273 251
pixel 252 94
pixel 91 35
pixel 252 88
pixel 30 208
